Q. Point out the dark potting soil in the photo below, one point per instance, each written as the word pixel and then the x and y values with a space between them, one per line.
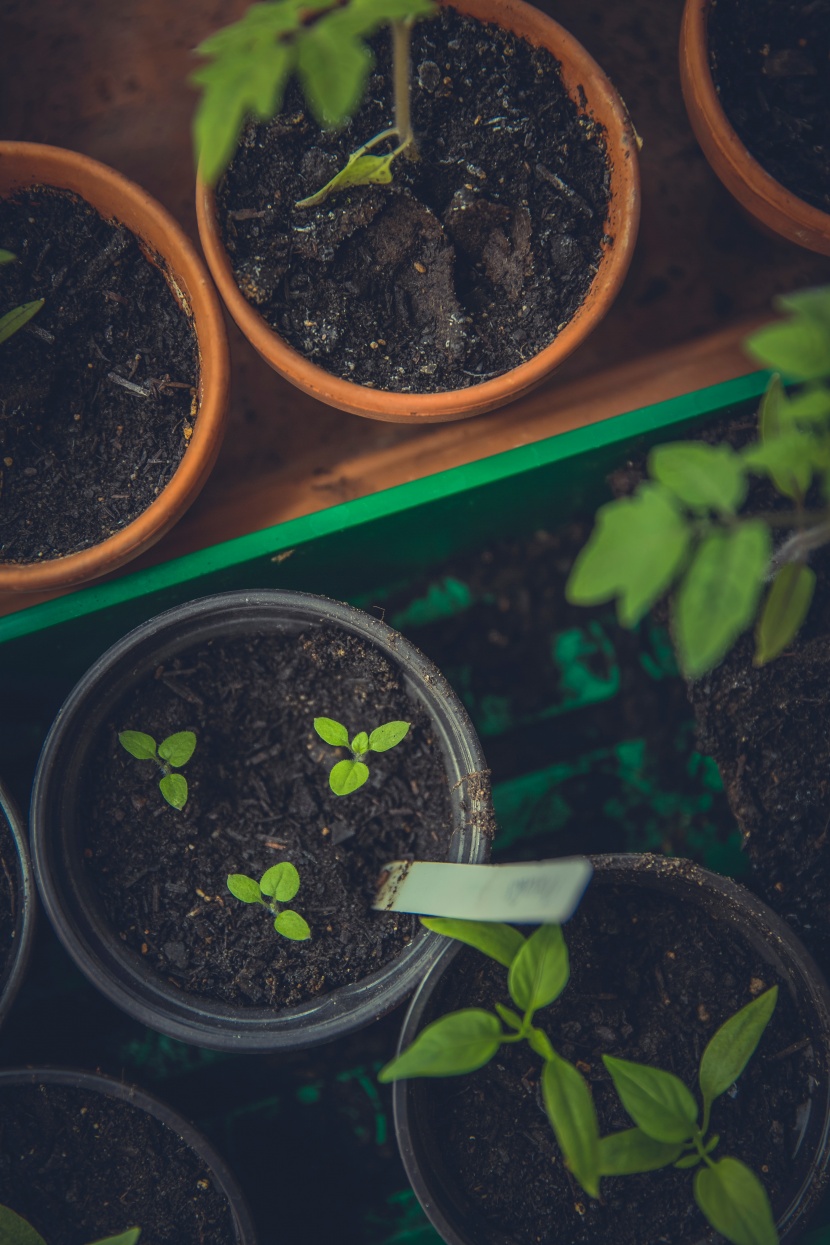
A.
pixel 10 899
pixel 80 1166
pixel 259 794
pixel 651 981
pixel 98 391
pixel 474 258
pixel 769 61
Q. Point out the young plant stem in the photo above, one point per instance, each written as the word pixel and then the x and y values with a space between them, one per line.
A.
pixel 796 548
pixel 401 71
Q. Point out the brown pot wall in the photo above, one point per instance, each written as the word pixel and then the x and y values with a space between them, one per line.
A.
pixel 115 197
pixel 579 71
pixel 768 202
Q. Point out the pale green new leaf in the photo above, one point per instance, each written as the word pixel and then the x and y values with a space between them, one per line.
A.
pixel 789 461
pixel 571 1112
pixel 658 1102
pixel 511 1018
pixel 359 171
pixel 130 1237
pixel 718 597
pixel 799 348
pixel 733 1045
pixel 244 888
pixel 736 1204
pixel 333 68
pixel 458 1043
pixel 15 1230
pixel 179 748
pixel 537 1040
pixel 632 1151
pixel 500 942
pixel 174 789
pixel 292 925
pixel 540 969
pixel 347 776
pixel 388 736
pixel 784 610
pixel 281 881
pixel 332 732
pixel 360 743
pixel 773 417
pixel 703 477
pixel 17 317
pixel 139 745
pixel 637 548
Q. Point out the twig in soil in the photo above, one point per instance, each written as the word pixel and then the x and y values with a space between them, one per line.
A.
pixel 37 331
pixel 138 390
pixel 791 1050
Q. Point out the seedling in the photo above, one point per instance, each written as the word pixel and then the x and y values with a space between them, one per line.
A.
pixel 323 43
pixel 173 752
pixel 682 531
pixel 347 776
pixel 18 316
pixel 277 886
pixel 15 1230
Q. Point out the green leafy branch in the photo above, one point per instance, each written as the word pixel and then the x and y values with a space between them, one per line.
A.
pixel 347 776
pixel 682 530
pixel 277 886
pixel 173 752
pixel 15 1230
pixel 668 1127
pixel 18 316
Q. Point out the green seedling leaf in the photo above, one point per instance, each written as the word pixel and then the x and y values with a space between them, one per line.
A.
pixel 361 170
pixel 718 596
pixel 799 348
pixel 291 925
pixel 733 1045
pixel 388 736
pixel 332 732
pixel 139 745
pixel 570 1109
pixel 787 604
pixel 6 257
pixel 500 942
pixel 688 1162
pixel 458 1043
pixel 17 317
pixel 130 1237
pixel 509 1017
pixel 333 67
pixel 632 1151
pixel 636 550
pixel 703 477
pixel 360 743
pixel 174 789
pixel 347 776
pixel 15 1230
pixel 179 748
pixel 244 888
pixel 773 419
pixel 539 971
pixel 736 1204
pixel 810 406
pixel 658 1102
pixel 281 881
pixel 789 461
pixel 539 1041
pixel 811 304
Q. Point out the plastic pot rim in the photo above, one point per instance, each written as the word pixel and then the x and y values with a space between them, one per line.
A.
pixel 27 916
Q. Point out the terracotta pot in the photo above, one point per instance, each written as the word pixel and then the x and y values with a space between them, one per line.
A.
pixel 579 73
pixel 31 164
pixel 766 200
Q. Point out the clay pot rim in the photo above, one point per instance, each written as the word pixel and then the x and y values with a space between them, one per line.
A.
pixel 64 169
pixel 756 189
pixel 449 405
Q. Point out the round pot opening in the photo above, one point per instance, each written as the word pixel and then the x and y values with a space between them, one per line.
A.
pixel 17 921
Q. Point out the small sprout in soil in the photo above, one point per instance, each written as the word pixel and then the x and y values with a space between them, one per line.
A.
pixel 173 752
pixel 347 776
pixel 276 886
pixel 15 1230
pixel 18 316
pixel 682 531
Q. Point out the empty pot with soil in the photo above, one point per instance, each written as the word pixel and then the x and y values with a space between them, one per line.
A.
pixel 661 954
pixel 17 902
pixel 138 889
pixel 114 395
pixel 84 1157
pixel 487 260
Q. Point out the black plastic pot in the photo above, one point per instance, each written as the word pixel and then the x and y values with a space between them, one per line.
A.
pixel 94 1083
pixel 23 890
pixel 72 905
pixel 726 903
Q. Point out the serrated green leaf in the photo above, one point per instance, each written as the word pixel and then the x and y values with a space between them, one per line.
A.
pixel 632 1151
pixel 364 17
pixel 360 170
pixel 332 732
pixel 17 317
pixel 292 925
pixel 139 745
pixel 15 1230
pixel 458 1043
pixel 789 461
pixel 735 1203
pixel 244 888
pixel 573 1118
pixel 733 1045
pixel 540 969
pixel 130 1237
pixel 703 477
pixel 799 348
pixel 360 743
pixel 500 942
pixel 718 596
pixel 635 552
pixel 333 68
pixel 179 748
pixel 658 1102
pixel 174 789
pixel 811 304
pixel 347 776
pixel 388 736
pixel 787 604
pixel 281 881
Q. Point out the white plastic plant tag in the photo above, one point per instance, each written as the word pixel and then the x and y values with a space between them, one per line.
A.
pixel 544 892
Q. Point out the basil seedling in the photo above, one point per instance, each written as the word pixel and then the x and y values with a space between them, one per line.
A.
pixel 15 1230
pixel 173 752
pixel 276 886
pixel 347 776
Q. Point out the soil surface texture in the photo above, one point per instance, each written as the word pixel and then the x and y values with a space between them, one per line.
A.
pixel 769 61
pixel 98 391
pixel 476 255
pixel 651 981
pixel 81 1166
pixel 10 899
pixel 259 794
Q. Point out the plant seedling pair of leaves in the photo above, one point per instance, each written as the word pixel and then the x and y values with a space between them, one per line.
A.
pixel 347 776
pixel 277 886
pixel 15 1230
pixel 18 316
pixel 173 752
